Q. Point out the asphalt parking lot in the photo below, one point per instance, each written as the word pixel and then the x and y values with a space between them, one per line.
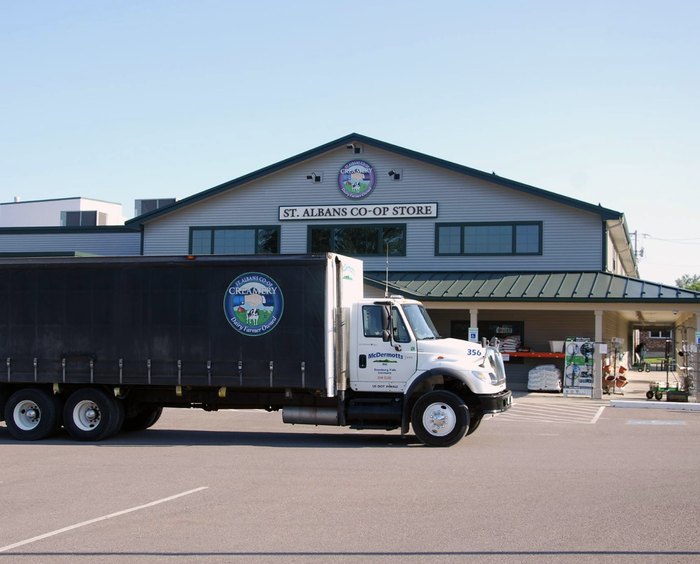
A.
pixel 536 485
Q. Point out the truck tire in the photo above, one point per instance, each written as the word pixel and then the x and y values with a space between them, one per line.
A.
pixel 91 414
pixel 440 418
pixel 32 414
pixel 142 418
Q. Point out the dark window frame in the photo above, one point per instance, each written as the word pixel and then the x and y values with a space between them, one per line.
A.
pixel 514 235
pixel 377 226
pixel 214 228
pixel 82 218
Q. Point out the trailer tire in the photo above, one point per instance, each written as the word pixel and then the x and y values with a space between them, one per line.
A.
pixel 440 418
pixel 142 419
pixel 91 414
pixel 32 414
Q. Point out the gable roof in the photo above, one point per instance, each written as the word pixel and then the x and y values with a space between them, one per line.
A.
pixel 605 213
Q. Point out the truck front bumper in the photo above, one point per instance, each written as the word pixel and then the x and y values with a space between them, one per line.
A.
pixel 496 403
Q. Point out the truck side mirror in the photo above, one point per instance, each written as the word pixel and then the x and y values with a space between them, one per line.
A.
pixel 386 323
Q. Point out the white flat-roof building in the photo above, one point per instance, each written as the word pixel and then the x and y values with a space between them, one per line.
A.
pixel 60 212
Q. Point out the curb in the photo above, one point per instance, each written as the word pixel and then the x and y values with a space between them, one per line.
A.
pixel 666 405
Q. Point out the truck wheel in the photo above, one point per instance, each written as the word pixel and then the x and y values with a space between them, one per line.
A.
pixel 440 418
pixel 142 418
pixel 31 415
pixel 90 414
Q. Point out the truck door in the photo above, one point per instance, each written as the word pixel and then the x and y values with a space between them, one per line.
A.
pixel 387 356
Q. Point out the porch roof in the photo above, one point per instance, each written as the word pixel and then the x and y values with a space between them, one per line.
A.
pixel 530 287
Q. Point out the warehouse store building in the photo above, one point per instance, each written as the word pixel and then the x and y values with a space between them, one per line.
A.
pixel 489 256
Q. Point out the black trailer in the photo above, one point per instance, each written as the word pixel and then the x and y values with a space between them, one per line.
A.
pixel 102 344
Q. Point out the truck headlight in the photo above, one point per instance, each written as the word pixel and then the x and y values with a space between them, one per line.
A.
pixel 488 377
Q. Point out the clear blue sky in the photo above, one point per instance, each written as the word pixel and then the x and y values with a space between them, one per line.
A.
pixel 125 99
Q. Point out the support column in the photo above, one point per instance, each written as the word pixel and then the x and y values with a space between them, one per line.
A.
pixel 473 317
pixel 474 320
pixel 694 346
pixel 597 392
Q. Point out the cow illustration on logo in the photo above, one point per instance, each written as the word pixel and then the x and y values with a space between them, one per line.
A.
pixel 356 179
pixel 253 304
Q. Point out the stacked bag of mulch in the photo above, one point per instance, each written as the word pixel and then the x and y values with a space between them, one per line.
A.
pixel 510 344
pixel 545 378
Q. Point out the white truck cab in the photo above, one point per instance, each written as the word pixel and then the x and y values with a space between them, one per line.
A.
pixel 446 384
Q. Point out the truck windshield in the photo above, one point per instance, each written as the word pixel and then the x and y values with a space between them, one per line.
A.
pixel 420 322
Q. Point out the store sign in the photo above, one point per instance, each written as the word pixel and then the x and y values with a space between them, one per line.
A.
pixel 381 211
pixel 356 179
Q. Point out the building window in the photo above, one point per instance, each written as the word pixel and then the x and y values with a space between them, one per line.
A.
pixel 234 240
pixel 523 238
pixel 660 334
pixel 362 240
pixel 83 218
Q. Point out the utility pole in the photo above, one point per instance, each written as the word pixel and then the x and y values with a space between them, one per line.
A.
pixel 638 253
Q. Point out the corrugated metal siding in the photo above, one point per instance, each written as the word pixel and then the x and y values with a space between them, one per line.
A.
pixel 572 238
pixel 105 244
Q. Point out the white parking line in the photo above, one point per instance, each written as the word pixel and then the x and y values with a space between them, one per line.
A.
pixel 597 415
pixel 553 413
pixel 98 519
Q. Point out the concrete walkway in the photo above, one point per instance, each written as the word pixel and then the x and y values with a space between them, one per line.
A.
pixel 633 395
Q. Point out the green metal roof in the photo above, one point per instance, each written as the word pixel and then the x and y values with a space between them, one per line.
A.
pixel 529 286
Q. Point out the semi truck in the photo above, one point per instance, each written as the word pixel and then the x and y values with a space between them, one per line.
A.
pixel 101 345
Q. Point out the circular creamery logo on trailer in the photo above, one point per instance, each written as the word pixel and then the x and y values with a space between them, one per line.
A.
pixel 356 179
pixel 253 304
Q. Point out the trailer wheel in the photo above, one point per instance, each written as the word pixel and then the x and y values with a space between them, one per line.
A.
pixel 141 419
pixel 31 414
pixel 650 394
pixel 658 395
pixel 90 414
pixel 440 418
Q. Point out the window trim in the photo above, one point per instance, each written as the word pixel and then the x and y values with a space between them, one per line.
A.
pixel 404 226
pixel 213 228
pixel 513 224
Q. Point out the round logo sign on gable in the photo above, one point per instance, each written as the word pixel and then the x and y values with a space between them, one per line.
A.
pixel 356 179
pixel 253 304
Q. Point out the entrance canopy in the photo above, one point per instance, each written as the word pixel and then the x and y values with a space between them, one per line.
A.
pixel 634 299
